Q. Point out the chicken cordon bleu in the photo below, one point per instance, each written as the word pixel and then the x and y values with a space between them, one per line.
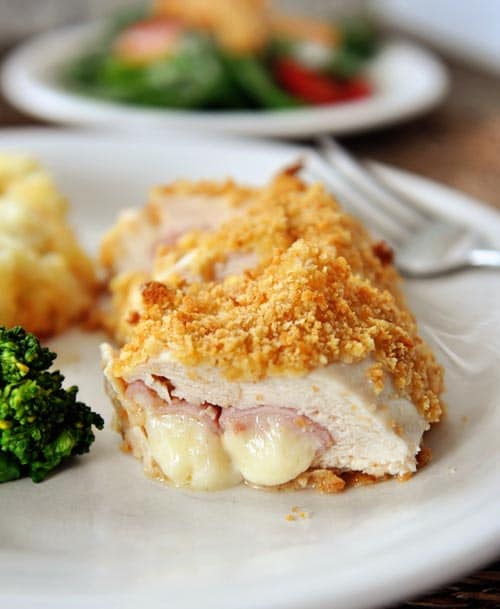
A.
pixel 271 346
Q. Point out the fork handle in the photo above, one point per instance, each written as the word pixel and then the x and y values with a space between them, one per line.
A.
pixel 477 258
pixel 484 258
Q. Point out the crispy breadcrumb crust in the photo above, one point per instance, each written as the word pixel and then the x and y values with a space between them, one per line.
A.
pixel 283 212
pixel 320 293
pixel 151 215
pixel 125 269
pixel 211 254
pixel 121 312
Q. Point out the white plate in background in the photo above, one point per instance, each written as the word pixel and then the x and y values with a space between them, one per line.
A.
pixel 467 30
pixel 408 81
pixel 99 535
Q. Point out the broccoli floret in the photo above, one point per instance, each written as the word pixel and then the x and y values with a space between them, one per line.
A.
pixel 41 424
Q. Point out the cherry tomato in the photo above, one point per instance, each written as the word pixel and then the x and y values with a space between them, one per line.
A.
pixel 315 87
pixel 148 40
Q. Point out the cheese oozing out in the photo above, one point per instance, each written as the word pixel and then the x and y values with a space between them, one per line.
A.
pixel 265 450
pixel 189 453
pixel 271 454
pixel 206 447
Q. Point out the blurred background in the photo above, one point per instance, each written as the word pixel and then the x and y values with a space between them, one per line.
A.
pixel 468 29
pixel 457 143
pixel 20 17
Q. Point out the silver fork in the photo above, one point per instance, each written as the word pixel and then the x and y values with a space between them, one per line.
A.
pixel 425 245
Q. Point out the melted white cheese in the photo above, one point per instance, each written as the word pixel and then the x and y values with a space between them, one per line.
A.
pixel 270 454
pixel 189 453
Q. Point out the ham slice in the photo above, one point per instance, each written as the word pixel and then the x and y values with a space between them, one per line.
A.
pixel 262 417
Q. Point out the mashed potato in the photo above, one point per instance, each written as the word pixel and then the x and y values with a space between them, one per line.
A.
pixel 46 280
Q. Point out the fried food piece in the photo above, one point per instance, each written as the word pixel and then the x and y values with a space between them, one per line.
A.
pixel 272 345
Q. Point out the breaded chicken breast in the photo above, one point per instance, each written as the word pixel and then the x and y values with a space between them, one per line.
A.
pixel 275 348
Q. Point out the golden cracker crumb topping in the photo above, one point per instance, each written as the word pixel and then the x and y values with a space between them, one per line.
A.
pixel 317 295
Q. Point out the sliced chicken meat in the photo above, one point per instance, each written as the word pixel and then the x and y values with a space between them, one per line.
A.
pixel 269 431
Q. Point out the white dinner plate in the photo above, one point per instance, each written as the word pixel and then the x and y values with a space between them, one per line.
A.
pixel 408 80
pixel 100 535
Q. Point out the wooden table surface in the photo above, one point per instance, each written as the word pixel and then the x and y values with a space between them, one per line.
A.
pixel 457 144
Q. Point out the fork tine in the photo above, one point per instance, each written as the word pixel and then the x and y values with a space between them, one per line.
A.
pixel 369 186
pixel 355 203
pixel 425 206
